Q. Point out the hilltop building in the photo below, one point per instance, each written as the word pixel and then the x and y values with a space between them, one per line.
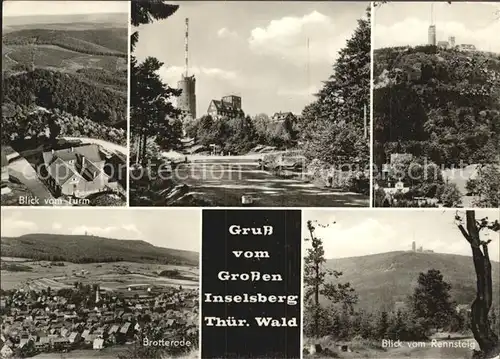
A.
pixel 419 249
pixel 466 47
pixel 187 99
pixel 282 116
pixel 432 35
pixel 443 44
pixel 186 102
pixel 76 171
pixel 451 40
pixel 228 106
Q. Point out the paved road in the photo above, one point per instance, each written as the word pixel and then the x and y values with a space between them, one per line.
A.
pixel 26 174
pixel 113 147
pixel 223 181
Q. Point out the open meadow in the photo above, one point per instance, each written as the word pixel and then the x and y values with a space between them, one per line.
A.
pixel 114 276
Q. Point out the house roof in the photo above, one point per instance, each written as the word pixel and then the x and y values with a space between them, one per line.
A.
pixel 225 107
pixel 281 115
pixel 113 329
pixel 124 329
pixel 61 171
pixel 86 168
pixel 98 342
pixel 90 152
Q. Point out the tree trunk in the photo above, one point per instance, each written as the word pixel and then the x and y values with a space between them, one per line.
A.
pixel 143 152
pixel 316 291
pixel 480 325
pixel 138 155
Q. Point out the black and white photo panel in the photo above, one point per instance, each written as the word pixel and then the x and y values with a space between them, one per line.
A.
pixel 64 103
pixel 401 284
pixel 436 104
pixel 106 283
pixel 265 105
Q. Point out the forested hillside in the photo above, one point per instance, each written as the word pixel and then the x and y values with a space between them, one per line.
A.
pixel 97 42
pixel 91 249
pixel 68 93
pixel 382 279
pixel 441 104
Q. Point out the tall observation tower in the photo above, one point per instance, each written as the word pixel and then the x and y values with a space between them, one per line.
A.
pixel 432 29
pixel 187 100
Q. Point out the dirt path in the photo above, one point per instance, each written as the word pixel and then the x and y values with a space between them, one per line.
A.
pixel 224 181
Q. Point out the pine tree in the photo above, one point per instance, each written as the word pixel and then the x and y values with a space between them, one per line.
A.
pixel 382 325
pixel 333 126
pixel 316 283
pixel 151 110
pixel 431 299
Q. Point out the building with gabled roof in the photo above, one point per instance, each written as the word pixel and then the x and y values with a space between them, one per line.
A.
pixel 74 337
pixel 6 351
pixel 125 328
pixel 76 171
pixel 282 116
pixel 228 106
pixel 98 344
pixel 113 329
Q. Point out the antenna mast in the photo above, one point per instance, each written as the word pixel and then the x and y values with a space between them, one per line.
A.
pixel 432 13
pixel 308 68
pixel 186 48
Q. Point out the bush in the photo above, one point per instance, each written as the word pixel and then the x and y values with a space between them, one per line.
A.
pixel 451 196
pixel 14 267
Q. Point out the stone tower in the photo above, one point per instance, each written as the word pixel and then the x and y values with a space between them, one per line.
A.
pixel 187 100
pixel 432 35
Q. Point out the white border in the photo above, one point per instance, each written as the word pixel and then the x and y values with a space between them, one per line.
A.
pixel 301 292
pixel 200 279
pixel 372 28
pixel 129 54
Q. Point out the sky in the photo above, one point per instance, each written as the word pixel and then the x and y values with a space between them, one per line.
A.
pixel 364 232
pixel 30 8
pixel 400 24
pixel 257 50
pixel 168 228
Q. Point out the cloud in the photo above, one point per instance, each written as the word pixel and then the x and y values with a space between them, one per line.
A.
pixel 369 236
pixel 224 33
pixel 127 231
pixel 56 226
pixel 172 74
pixel 412 31
pixel 287 39
pixel 302 92
pixel 14 225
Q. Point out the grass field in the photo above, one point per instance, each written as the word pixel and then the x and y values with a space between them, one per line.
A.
pixel 51 56
pixel 111 276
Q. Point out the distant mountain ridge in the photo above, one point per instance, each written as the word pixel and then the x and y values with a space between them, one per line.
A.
pixel 32 20
pixel 383 279
pixel 89 249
